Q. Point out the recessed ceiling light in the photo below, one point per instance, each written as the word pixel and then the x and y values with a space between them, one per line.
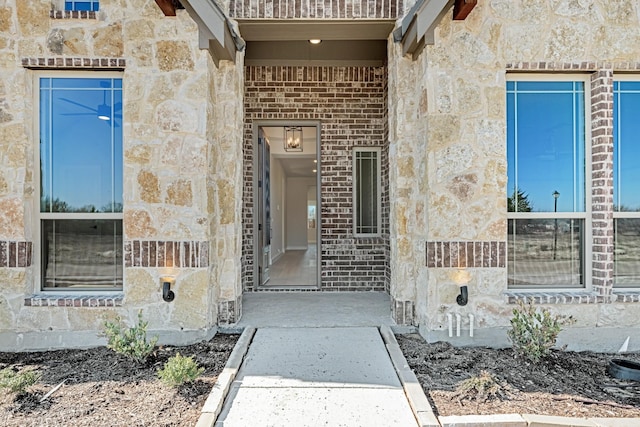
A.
pixel 315 41
pixel 315 170
pixel 315 161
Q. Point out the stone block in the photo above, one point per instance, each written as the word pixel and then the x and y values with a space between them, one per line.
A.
pixel 174 55
pixel 141 287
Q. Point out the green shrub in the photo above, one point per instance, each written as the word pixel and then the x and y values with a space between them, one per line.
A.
pixel 534 331
pixel 130 342
pixel 482 387
pixel 179 370
pixel 18 382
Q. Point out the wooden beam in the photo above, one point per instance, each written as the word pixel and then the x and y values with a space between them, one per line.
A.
pixel 461 9
pixel 168 7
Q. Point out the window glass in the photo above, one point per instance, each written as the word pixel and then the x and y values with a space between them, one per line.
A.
pixel 366 191
pixel 80 183
pixel 545 146
pixel 81 254
pixel 546 179
pixel 626 176
pixel 545 252
pixel 80 145
pixel 91 5
pixel 627 252
pixel 626 142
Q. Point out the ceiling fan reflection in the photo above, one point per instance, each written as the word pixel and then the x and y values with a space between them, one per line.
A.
pixel 102 112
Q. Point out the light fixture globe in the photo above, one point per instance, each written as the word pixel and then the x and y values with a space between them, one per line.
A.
pixel 292 138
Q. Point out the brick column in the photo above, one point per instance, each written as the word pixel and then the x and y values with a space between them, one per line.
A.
pixel 602 180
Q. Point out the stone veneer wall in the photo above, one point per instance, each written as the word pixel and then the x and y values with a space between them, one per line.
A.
pixel 455 95
pixel 180 148
pixel 349 103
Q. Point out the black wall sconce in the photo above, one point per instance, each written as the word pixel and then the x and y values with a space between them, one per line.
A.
pixel 167 294
pixel 463 297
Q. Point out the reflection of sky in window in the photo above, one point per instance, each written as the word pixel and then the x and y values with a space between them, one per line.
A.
pixel 82 5
pixel 626 143
pixel 81 154
pixel 545 143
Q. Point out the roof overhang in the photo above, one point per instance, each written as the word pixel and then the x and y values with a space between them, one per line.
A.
pixel 215 31
pixel 418 27
pixel 344 42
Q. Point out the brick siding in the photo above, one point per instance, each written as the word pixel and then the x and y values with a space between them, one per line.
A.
pixel 350 102
pixel 488 254
pixel 602 180
pixel 152 253
pixel 15 254
pixel 94 301
pixel 73 14
pixel 316 9
pixel 58 62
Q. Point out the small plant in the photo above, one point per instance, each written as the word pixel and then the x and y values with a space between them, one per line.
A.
pixel 130 342
pixel 18 382
pixel 534 331
pixel 179 370
pixel 482 387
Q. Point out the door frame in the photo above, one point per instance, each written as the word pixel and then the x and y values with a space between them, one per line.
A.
pixel 256 125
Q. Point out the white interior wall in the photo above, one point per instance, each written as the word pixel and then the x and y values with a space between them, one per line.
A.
pixel 296 214
pixel 311 200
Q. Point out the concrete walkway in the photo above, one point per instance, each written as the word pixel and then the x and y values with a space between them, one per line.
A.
pixel 336 376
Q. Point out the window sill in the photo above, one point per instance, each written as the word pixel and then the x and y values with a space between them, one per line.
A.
pixel 551 297
pixel 626 295
pixel 57 300
pixel 72 14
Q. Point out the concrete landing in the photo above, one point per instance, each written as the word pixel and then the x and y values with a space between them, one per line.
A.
pixel 314 309
pixel 316 377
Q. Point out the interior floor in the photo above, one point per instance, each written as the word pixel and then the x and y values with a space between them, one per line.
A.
pixel 295 268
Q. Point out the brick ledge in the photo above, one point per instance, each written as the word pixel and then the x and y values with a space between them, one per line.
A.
pixel 114 300
pixel 556 297
pixel 73 14
pixel 572 297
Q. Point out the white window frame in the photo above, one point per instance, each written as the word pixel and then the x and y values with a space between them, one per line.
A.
pixel 584 216
pixel 38 215
pixel 378 183
pixel 618 214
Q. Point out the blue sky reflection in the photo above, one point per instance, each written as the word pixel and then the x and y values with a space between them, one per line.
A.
pixel 545 144
pixel 626 137
pixel 81 154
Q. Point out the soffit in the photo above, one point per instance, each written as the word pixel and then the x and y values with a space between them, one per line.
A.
pixel 344 43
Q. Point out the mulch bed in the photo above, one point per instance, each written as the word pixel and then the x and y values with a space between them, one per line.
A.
pixel 102 388
pixel 572 384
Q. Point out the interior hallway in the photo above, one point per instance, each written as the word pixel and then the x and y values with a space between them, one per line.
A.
pixel 295 268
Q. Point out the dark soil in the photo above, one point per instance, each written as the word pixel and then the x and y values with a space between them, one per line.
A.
pixel 103 388
pixel 572 384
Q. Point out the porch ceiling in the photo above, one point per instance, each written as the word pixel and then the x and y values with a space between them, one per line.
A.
pixel 286 42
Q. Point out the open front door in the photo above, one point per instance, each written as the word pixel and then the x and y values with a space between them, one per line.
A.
pixel 264 209
pixel 287 206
